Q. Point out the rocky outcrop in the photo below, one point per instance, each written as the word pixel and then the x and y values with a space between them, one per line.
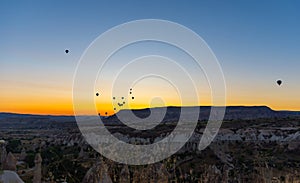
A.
pixel 8 176
pixel 163 174
pixel 125 175
pixel 98 173
pixel 23 155
pixel 37 175
pixel 10 162
pixel 3 157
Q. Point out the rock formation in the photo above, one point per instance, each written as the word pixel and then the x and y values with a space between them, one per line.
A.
pixel 125 175
pixel 98 173
pixel 163 174
pixel 10 162
pixel 81 153
pixel 8 176
pixel 3 158
pixel 23 155
pixel 37 175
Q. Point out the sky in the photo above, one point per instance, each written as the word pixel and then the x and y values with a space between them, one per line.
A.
pixel 255 42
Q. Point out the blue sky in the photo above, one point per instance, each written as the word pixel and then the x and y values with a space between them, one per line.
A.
pixel 256 42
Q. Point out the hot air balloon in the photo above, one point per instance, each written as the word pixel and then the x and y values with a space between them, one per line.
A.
pixel 279 82
pixel 67 51
pixel 97 94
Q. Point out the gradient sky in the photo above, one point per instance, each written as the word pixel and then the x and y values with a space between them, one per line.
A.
pixel 256 43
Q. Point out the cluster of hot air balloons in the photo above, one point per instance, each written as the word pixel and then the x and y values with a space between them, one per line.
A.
pixel 120 104
pixel 121 101
pixel 130 92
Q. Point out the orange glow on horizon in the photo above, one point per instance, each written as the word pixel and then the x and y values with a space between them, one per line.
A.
pixel 66 108
pixel 59 102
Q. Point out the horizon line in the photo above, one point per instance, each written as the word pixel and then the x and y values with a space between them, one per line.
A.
pixel 73 115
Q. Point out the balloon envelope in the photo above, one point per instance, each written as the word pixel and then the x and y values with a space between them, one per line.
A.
pixel 279 82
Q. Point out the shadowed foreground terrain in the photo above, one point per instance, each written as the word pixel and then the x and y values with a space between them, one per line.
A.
pixel 254 144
